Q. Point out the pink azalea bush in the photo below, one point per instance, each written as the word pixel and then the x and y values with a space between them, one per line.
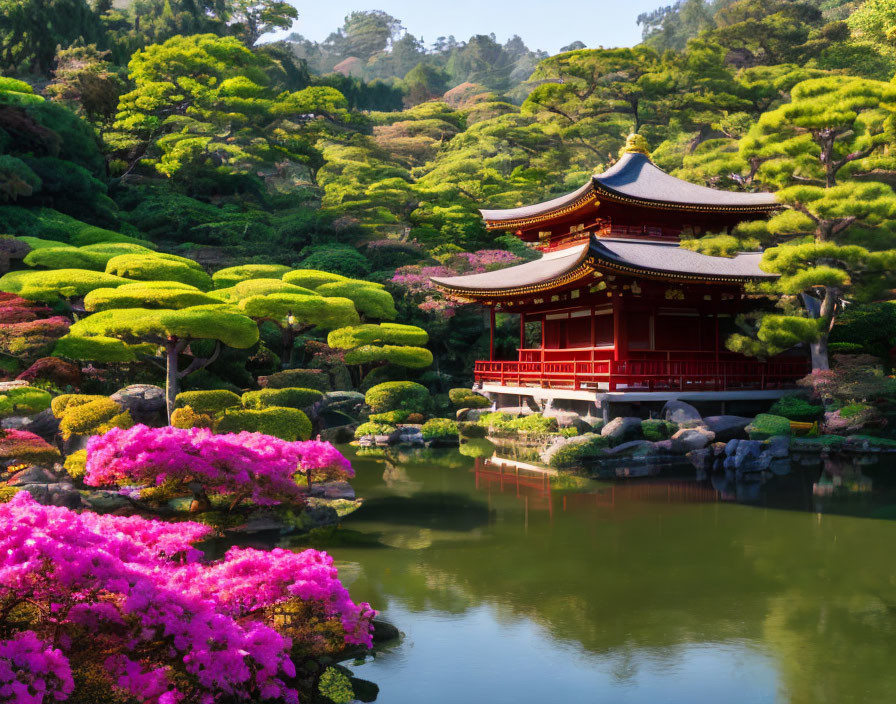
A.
pixel 242 465
pixel 92 601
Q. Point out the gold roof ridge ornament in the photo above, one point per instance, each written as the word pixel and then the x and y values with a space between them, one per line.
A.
pixel 636 144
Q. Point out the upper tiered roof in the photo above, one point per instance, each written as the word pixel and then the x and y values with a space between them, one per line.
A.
pixel 634 179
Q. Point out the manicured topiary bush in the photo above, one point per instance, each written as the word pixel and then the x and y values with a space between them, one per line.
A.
pixel 286 398
pixel 159 267
pixel 258 287
pixel 372 428
pixel 370 301
pixel 93 418
pixel 656 430
pixel 410 357
pixel 233 275
pixel 471 430
pixel 61 403
pixel 467 398
pixel 398 396
pixel 284 423
pixel 23 401
pixel 32 339
pixel 296 378
pixel 186 417
pixel 67 258
pixel 312 278
pixel 766 425
pixel 150 294
pixel 797 408
pixel 380 375
pixel 207 402
pixel 439 429
pixel 96 349
pixel 51 285
pixel 533 423
pixel 26 447
pixel 54 370
pixel 381 334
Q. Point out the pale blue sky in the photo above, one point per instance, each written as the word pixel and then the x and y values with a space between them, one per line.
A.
pixel 542 25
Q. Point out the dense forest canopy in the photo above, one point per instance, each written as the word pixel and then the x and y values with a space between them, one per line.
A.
pixel 176 123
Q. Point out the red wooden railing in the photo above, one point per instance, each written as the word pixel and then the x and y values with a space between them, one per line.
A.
pixel 676 370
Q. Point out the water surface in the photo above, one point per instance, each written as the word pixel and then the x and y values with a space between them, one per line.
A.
pixel 515 590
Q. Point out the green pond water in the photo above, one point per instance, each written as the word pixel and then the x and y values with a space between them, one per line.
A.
pixel 527 589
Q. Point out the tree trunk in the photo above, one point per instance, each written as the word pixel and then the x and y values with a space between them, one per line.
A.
pixel 819 352
pixel 172 379
pixel 825 312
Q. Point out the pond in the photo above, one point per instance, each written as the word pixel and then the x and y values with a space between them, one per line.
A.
pixel 516 587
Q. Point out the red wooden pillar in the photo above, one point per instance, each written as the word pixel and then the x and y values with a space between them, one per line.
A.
pixel 620 343
pixel 491 334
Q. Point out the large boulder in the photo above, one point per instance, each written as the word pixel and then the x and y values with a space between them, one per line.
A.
pixel 338 434
pixel 633 448
pixel 103 501
pixel 145 402
pixel 43 424
pixel 333 490
pixel 474 414
pixel 727 427
pixel 688 439
pixel 515 411
pixel 32 475
pixel 568 419
pixel 778 446
pixel 622 429
pixel 681 413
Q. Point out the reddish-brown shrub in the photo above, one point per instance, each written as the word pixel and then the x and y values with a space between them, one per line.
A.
pixel 54 370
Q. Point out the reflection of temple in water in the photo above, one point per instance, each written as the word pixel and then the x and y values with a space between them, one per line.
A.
pixel 539 489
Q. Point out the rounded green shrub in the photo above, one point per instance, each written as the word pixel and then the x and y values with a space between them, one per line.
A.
pixel 391 417
pixel 533 423
pixel 398 396
pixel 656 430
pixel 471 430
pixel 297 378
pixel 286 423
pixel 258 287
pixel 137 296
pixel 467 398
pixel 93 418
pixel 61 403
pixel 85 235
pixel 286 398
pixel 24 401
pixel 439 429
pixel 207 402
pixel 312 278
pixel 67 258
pixel 97 349
pixel 340 259
pixel 766 425
pixel 49 285
pixel 373 428
pixel 186 418
pixel 381 334
pixel 370 301
pixel 232 275
pixel 159 267
pixel 410 357
pixel 14 85
pixel 326 313
pixel 76 464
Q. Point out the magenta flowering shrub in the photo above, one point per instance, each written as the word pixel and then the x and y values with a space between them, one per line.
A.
pixel 242 465
pixel 98 602
pixel 33 672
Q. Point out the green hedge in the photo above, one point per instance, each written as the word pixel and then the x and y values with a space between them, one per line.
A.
pixel 369 301
pixel 158 267
pixel 287 398
pixel 410 357
pixel 656 430
pixel 93 418
pixel 796 408
pixel 398 396
pixel 207 402
pixel 766 425
pixel 286 423
pixel 312 278
pixel 382 334
pixel 298 378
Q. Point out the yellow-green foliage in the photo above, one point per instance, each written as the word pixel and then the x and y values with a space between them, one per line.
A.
pixel 40 243
pixel 136 325
pixel 299 378
pixel 207 402
pixel 286 423
pixel 93 418
pixel 398 396
pixel 7 492
pixel 49 285
pixel 96 349
pixel 391 417
pixel 374 428
pixel 235 274
pixel 327 313
pixel 439 428
pixel 286 398
pixel 312 278
pixel 382 334
pixel 370 301
pixel 94 257
pixel 149 296
pixel 23 401
pixel 76 464
pixel 258 287
pixel 158 267
pixel 62 403
pixel 467 398
pixel 412 357
pixel 186 418
pixel 720 245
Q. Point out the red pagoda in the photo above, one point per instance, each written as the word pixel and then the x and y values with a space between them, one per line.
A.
pixel 615 310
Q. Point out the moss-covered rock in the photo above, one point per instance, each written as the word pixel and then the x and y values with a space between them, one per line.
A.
pixel 767 425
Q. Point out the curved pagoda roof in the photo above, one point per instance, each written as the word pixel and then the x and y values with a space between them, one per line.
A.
pixel 636 180
pixel 645 258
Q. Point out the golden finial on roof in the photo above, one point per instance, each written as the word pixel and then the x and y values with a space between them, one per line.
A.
pixel 636 144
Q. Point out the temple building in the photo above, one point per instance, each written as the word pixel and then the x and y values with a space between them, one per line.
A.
pixel 615 311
